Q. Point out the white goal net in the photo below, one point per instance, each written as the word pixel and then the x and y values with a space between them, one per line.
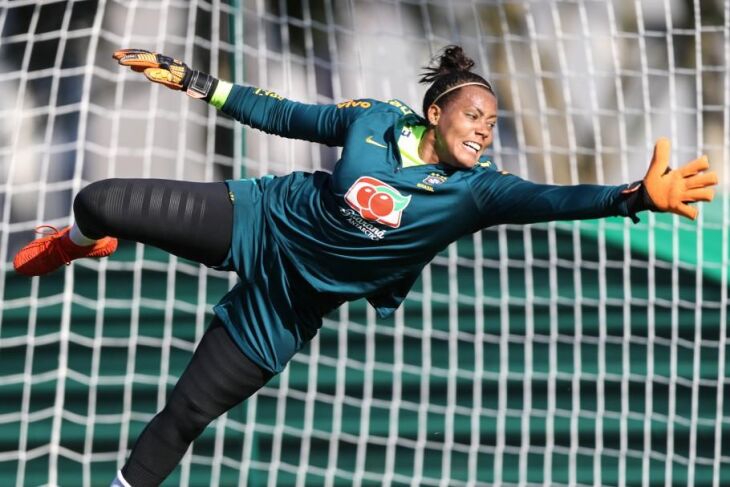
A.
pixel 574 353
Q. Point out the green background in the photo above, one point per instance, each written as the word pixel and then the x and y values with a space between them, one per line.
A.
pixel 627 309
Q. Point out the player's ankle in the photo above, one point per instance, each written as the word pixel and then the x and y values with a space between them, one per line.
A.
pixel 119 481
pixel 78 238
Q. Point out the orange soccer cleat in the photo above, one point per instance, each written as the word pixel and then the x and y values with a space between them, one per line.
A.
pixel 47 254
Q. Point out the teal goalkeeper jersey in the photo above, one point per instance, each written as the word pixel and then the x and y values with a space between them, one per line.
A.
pixel 368 228
pixel 306 242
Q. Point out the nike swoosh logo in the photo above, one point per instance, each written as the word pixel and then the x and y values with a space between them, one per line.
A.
pixel 370 140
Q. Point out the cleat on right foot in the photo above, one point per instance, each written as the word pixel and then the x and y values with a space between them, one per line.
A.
pixel 46 254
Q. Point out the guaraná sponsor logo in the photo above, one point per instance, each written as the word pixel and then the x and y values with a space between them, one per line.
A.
pixel 376 201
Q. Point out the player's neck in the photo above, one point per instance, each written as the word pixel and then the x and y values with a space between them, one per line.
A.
pixel 427 147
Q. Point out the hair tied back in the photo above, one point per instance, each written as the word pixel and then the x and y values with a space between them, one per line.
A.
pixel 451 61
pixel 452 72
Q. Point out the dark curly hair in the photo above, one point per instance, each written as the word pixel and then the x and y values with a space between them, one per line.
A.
pixel 454 68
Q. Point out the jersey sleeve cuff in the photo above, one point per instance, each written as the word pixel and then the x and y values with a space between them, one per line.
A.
pixel 220 95
pixel 636 199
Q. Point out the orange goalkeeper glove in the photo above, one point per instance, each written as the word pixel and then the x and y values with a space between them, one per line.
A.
pixel 168 71
pixel 667 190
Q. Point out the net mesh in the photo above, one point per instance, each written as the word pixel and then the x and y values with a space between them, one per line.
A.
pixel 588 353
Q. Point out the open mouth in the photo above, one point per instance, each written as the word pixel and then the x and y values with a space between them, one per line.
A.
pixel 473 147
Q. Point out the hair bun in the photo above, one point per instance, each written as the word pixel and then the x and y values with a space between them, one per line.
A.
pixel 452 60
pixel 452 71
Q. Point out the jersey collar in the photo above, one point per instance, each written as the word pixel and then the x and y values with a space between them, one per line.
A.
pixel 411 120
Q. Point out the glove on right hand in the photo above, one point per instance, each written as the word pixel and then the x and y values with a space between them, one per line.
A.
pixel 167 71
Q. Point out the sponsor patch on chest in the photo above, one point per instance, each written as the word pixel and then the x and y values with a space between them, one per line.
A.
pixel 353 218
pixel 377 201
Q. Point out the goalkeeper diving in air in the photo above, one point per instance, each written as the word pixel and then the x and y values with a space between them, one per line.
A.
pixel 405 187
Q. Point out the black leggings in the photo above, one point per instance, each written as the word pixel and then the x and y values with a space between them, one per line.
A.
pixel 194 221
pixel 217 378
pixel 190 220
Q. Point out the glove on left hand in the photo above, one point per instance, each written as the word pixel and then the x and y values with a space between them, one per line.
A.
pixel 671 190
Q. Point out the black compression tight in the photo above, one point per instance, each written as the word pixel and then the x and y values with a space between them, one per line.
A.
pixel 190 220
pixel 217 378
pixel 194 221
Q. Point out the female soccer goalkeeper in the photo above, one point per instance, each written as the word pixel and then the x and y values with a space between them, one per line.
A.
pixel 302 244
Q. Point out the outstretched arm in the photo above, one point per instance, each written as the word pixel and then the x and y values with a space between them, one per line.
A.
pixel 511 199
pixel 274 114
pixel 256 107
pixel 504 198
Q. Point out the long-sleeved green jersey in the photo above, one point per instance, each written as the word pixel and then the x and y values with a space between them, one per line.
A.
pixel 368 228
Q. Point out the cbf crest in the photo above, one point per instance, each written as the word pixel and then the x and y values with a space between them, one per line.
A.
pixel 433 179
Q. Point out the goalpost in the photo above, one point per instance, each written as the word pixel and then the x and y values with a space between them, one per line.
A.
pixel 572 353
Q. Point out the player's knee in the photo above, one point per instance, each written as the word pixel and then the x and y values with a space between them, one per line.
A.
pixel 189 418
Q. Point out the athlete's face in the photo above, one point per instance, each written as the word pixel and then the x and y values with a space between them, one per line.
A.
pixel 463 128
